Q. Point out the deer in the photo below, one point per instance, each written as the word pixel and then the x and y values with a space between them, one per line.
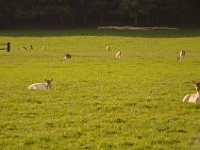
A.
pixel 31 47
pixel 25 48
pixel 108 48
pixel 67 56
pixel 41 86
pixel 44 48
pixel 181 55
pixel 193 98
pixel 118 54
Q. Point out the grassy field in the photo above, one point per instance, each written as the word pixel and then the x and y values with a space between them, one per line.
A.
pixel 96 101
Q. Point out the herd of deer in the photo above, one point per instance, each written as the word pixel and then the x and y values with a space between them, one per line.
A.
pixel 67 56
pixel 191 98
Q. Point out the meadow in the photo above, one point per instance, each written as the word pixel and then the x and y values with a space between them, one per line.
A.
pixel 96 100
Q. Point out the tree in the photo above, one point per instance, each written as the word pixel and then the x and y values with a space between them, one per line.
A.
pixel 130 8
pixel 89 12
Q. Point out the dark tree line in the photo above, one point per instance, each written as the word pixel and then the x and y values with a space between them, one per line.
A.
pixel 99 12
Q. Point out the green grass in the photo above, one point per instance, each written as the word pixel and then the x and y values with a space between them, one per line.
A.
pixel 96 101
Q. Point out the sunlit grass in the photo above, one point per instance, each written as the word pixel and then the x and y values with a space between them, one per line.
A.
pixel 96 101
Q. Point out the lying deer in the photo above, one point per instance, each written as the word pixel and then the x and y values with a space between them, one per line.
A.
pixel 41 86
pixel 193 98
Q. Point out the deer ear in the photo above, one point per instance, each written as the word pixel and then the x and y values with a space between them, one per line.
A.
pixel 194 82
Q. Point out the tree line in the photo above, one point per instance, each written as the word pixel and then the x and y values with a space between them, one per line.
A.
pixel 99 12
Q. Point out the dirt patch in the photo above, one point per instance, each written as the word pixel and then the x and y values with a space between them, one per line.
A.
pixel 136 28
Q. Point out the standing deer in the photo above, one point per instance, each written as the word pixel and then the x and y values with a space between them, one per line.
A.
pixel 44 48
pixel 118 54
pixel 108 48
pixel 41 86
pixel 181 55
pixel 193 98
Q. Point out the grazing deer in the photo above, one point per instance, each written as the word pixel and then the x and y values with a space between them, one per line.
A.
pixel 41 86
pixel 181 55
pixel 108 48
pixel 67 56
pixel 118 54
pixel 193 98
pixel 24 48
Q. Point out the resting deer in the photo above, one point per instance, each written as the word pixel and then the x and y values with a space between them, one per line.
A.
pixel 181 55
pixel 41 86
pixel 193 98
pixel 118 54
pixel 68 56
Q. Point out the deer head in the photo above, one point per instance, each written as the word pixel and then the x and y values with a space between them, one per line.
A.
pixel 197 85
pixel 48 83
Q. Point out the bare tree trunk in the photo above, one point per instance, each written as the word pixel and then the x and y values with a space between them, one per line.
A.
pixel 136 19
pixel 148 18
pixel 101 19
pixel 61 19
pixel 85 20
pixel 175 18
pixel 182 19
pixel 72 21
pixel 157 18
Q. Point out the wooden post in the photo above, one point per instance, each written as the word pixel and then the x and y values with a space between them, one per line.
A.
pixel 8 46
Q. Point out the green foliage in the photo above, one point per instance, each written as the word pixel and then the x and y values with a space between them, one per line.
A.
pixel 96 101
pixel 90 12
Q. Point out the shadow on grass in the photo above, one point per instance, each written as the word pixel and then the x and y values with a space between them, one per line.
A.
pixel 181 33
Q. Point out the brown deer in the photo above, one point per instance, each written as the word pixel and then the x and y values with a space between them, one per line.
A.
pixel 67 56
